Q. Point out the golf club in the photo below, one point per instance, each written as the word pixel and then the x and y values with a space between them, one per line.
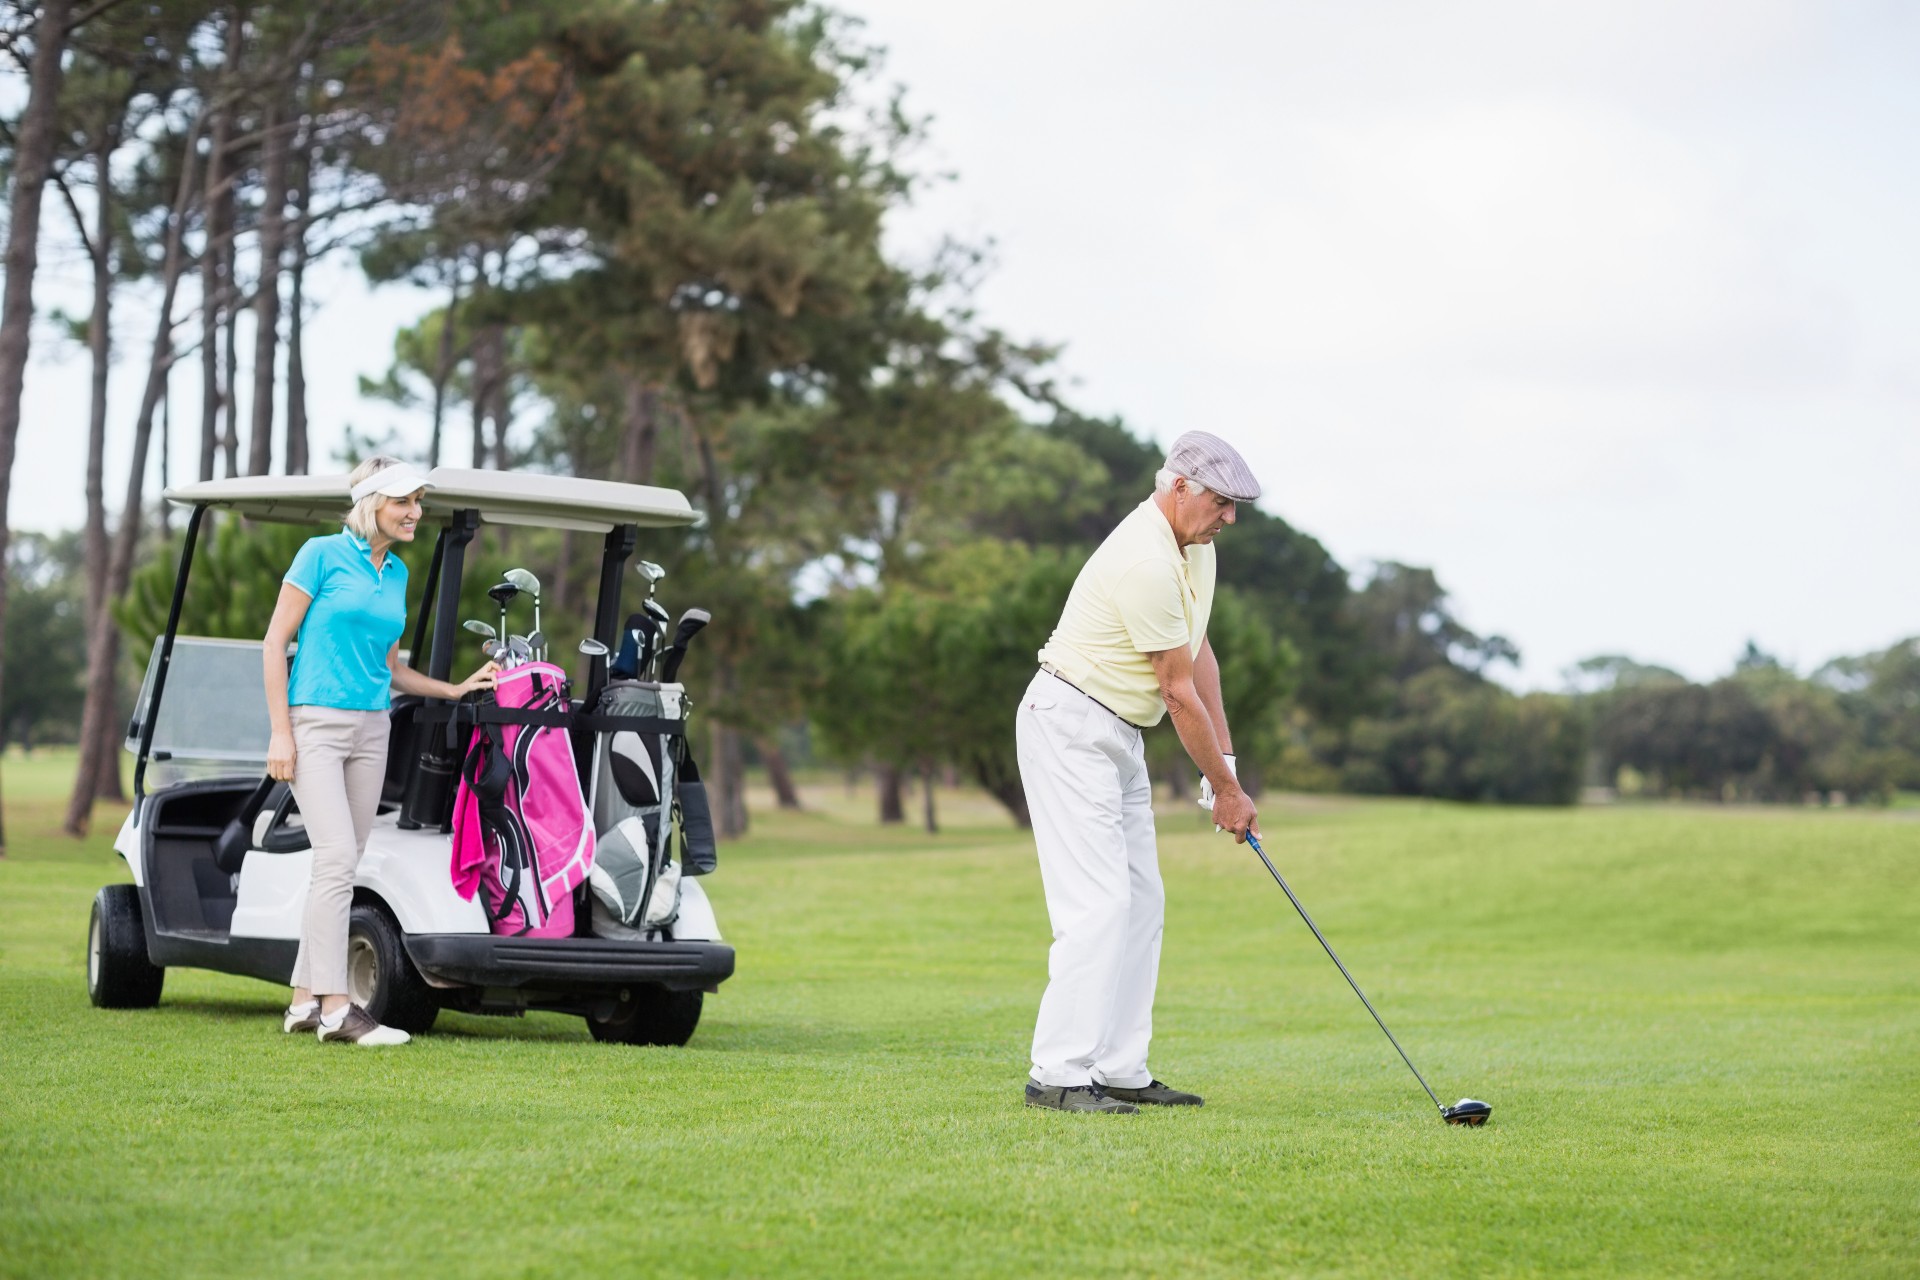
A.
pixel 1467 1111
pixel 690 624
pixel 525 580
pixel 479 628
pixel 645 629
pixel 593 648
pixel 652 572
pixel 502 594
pixel 658 617
pixel 537 642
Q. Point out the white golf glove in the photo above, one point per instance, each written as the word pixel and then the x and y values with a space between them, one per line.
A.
pixel 1206 784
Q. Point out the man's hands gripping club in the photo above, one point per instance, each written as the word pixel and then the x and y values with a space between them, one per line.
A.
pixel 1190 686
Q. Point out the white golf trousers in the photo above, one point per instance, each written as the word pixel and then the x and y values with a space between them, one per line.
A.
pixel 339 764
pixel 1085 774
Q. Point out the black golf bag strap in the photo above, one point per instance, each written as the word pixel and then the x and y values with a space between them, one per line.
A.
pixel 604 722
pixel 474 715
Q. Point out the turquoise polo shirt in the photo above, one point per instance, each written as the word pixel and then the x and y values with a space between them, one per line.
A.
pixel 357 614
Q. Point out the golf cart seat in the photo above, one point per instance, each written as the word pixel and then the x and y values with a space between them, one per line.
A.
pixel 262 823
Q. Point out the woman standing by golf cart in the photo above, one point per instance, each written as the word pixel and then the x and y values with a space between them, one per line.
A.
pixel 345 600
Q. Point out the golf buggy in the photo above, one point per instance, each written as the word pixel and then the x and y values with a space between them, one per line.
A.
pixel 220 858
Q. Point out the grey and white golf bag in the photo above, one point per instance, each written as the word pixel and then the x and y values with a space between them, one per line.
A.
pixel 649 809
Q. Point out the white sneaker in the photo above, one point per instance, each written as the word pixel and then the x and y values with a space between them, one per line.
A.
pixel 357 1026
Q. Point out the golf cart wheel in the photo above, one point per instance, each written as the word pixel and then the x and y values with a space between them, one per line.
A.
pixel 650 1015
pixel 381 978
pixel 119 975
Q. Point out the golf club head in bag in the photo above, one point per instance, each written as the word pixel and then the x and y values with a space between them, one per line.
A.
pixel 1467 1111
pixel 636 647
pixel 691 624
pixel 502 594
pixel 653 574
pixel 525 581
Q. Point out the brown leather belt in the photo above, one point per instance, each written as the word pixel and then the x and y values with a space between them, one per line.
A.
pixel 1049 669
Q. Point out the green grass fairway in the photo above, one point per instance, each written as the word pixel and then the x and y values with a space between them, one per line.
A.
pixel 1699 1029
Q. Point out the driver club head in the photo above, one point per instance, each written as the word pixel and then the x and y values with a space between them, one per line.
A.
pixel 523 580
pixel 652 572
pixel 1467 1111
pixel 502 593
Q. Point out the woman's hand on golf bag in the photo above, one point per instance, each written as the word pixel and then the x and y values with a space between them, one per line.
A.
pixel 481 679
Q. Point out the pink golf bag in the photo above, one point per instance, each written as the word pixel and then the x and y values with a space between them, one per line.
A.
pixel 522 833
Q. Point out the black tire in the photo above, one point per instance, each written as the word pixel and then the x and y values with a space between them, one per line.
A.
pixel 651 1015
pixel 119 974
pixel 380 976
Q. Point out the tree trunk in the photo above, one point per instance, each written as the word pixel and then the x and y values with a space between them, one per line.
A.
pixel 443 368
pixel 730 769
pixel 166 449
pixel 213 295
pixel 926 791
pixel 785 794
pixel 219 213
pixel 501 410
pixel 484 373
pixel 1003 784
pixel 275 152
pixel 98 712
pixel 642 427
pixel 99 344
pixel 32 162
pixel 893 808
pixel 1180 782
pixel 298 463
pixel 230 312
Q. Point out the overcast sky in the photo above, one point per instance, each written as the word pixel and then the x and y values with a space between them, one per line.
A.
pixel 1609 312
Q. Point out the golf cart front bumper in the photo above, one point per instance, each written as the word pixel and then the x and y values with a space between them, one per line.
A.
pixel 483 960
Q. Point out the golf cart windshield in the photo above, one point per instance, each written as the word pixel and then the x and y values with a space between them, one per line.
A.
pixel 213 720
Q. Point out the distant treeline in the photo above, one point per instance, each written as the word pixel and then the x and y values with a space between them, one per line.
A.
pixel 652 236
pixel 1371 688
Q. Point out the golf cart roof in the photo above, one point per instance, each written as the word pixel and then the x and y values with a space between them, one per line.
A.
pixel 501 497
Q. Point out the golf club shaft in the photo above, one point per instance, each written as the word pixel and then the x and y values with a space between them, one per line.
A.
pixel 1281 881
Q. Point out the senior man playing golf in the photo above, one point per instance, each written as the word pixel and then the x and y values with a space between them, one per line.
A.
pixel 1131 646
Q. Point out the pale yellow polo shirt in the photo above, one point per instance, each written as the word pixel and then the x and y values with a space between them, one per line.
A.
pixel 1137 594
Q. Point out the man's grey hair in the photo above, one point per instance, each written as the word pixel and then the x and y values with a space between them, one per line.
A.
pixel 1163 482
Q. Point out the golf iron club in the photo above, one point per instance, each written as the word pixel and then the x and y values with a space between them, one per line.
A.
pixel 691 623
pixel 1467 1111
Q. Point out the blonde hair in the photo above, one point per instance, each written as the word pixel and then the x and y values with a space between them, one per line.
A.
pixel 361 519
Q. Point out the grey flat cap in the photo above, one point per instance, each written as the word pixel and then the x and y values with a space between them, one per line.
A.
pixel 1208 460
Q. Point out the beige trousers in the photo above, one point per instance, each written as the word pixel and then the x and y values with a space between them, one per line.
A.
pixel 339 764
